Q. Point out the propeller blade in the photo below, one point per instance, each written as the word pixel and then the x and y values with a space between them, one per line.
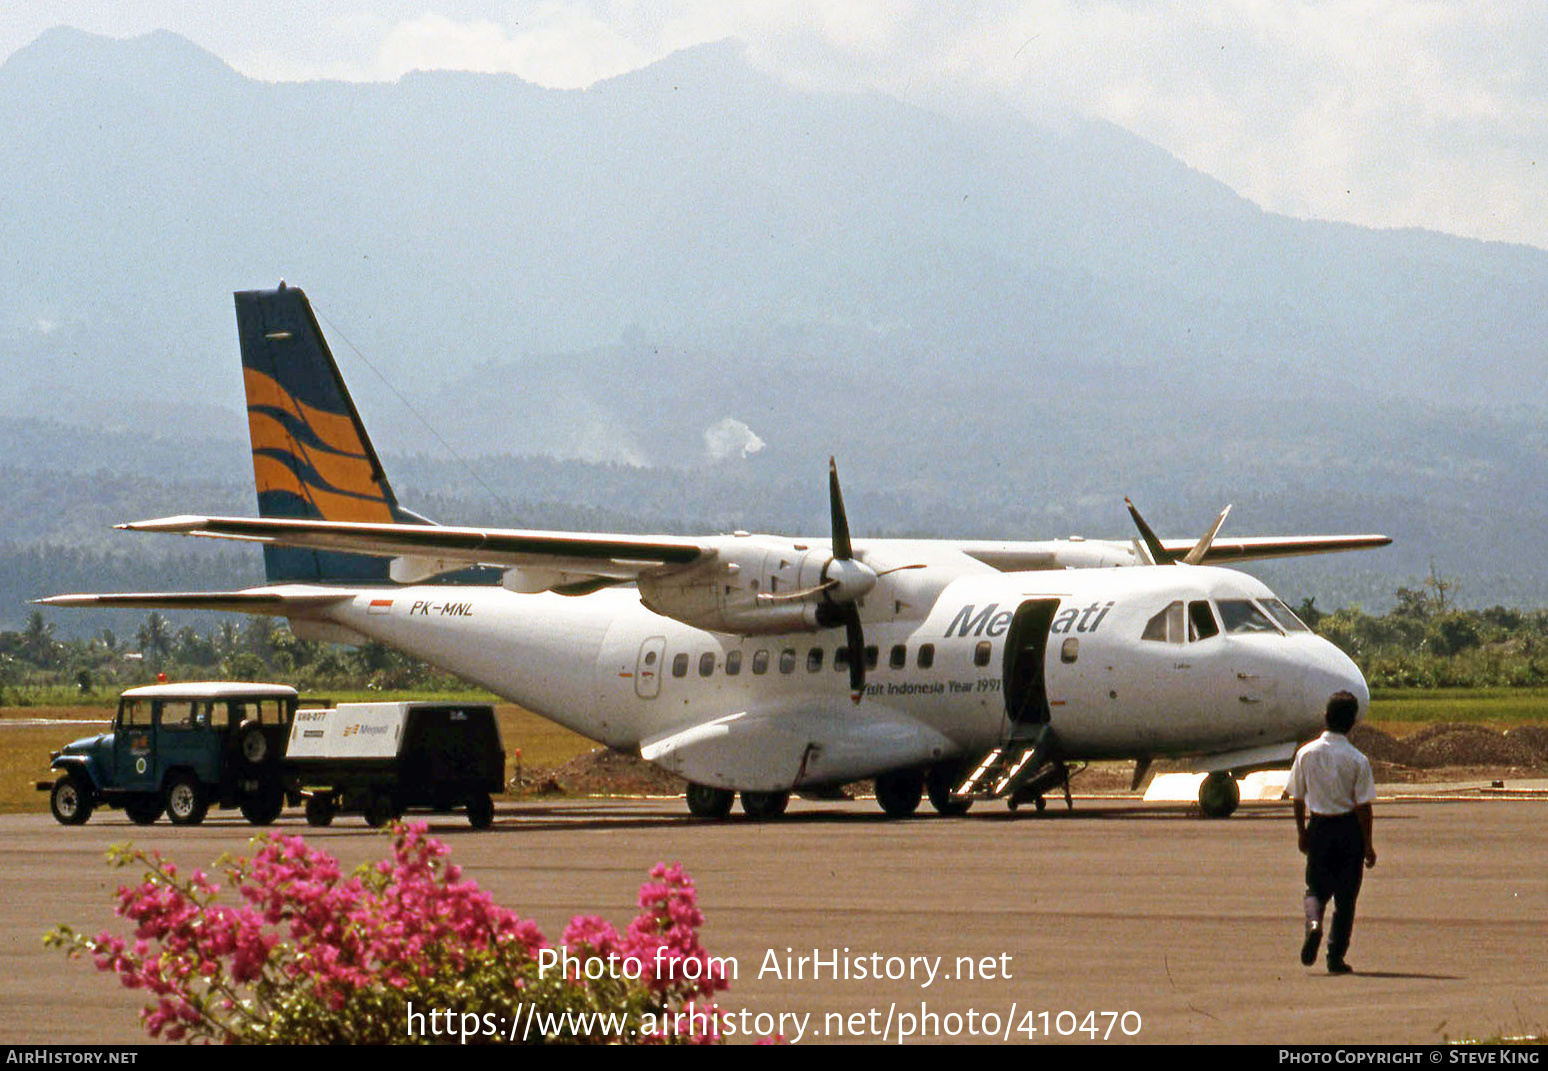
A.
pixel 842 548
pixel 856 637
pixel 1158 554
pixel 1201 548
pixel 768 599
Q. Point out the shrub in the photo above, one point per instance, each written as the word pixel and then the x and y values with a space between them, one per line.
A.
pixel 403 951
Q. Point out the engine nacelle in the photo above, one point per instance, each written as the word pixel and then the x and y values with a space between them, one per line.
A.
pixel 722 595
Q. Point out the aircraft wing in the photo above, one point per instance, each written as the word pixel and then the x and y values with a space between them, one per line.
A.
pixel 437 547
pixel 1010 557
pixel 1255 548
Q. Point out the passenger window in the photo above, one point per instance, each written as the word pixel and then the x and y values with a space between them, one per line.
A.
pixel 1242 616
pixel 814 660
pixel 220 716
pixel 981 653
pixel 680 664
pixel 707 664
pixel 899 656
pixel 177 715
pixel 733 663
pixel 926 655
pixel 1070 650
pixel 1201 621
pixel 870 657
pixel 1166 626
pixel 787 660
pixel 134 712
pixel 841 659
pixel 760 662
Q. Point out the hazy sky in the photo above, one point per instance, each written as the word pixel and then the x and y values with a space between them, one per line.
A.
pixel 1428 113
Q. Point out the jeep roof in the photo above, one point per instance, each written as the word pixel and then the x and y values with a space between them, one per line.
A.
pixel 211 690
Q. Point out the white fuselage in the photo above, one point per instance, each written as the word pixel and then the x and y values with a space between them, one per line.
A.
pixel 609 668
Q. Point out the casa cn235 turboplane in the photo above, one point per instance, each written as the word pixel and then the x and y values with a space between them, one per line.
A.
pixel 765 665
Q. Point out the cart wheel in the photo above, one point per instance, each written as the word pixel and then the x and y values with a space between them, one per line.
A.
pixel 480 810
pixel 380 809
pixel 319 810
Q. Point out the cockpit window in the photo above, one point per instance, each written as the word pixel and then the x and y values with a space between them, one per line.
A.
pixel 1243 615
pixel 1284 615
pixel 1166 626
pixel 1201 622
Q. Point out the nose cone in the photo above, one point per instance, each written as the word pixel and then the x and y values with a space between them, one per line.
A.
pixel 1330 671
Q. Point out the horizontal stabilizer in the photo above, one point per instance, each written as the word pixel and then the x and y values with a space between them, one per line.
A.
pixel 241 602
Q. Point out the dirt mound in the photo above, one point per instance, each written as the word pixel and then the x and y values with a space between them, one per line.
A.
pixel 604 772
pixel 1468 745
pixel 1453 744
pixel 1534 737
pixel 1379 746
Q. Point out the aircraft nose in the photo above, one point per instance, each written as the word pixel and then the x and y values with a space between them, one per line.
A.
pixel 1331 670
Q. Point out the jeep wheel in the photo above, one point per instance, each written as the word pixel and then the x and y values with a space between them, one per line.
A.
pixel 70 801
pixel 186 802
pixel 143 809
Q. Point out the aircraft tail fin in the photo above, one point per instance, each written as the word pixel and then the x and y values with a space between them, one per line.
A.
pixel 312 457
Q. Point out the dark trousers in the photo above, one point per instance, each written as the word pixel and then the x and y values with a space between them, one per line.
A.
pixel 1335 858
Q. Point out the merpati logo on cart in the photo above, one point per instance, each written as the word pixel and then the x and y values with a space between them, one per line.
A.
pixel 365 730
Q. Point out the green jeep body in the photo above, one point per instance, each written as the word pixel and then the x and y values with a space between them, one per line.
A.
pixel 181 749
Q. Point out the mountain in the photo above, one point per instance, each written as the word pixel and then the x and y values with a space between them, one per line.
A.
pixel 714 280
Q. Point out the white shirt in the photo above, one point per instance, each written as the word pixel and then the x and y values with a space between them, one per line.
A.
pixel 1331 776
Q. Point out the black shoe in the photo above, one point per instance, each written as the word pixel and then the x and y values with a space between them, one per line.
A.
pixel 1338 966
pixel 1309 946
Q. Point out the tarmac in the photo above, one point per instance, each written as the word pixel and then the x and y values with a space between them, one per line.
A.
pixel 1115 922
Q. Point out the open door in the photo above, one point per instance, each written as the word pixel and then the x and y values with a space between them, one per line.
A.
pixel 1026 688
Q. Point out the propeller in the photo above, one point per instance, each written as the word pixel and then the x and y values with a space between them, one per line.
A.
pixel 1159 555
pixel 845 581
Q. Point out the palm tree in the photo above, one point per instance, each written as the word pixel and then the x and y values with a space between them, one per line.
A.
pixel 156 637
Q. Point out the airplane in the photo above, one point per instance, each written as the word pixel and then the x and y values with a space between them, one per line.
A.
pixel 764 665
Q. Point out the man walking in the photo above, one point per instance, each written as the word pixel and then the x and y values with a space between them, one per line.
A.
pixel 1332 787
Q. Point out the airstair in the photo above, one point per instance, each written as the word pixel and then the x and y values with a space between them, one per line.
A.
pixel 1023 768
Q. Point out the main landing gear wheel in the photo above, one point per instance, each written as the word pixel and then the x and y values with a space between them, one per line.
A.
pixel 707 802
pixel 762 805
pixel 186 802
pixel 1219 795
pixel 70 801
pixel 899 792
pixel 939 782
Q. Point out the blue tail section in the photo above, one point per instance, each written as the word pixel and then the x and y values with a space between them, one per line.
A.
pixel 311 455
